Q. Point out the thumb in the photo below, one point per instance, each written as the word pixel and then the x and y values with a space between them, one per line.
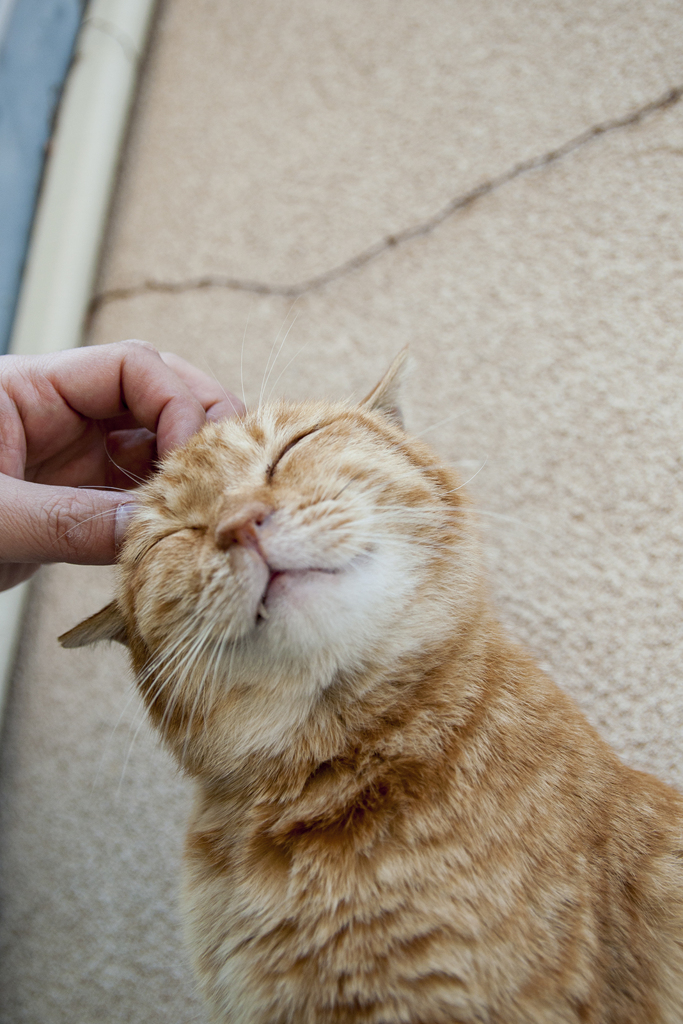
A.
pixel 40 523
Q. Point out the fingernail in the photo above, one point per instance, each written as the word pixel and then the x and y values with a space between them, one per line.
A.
pixel 124 514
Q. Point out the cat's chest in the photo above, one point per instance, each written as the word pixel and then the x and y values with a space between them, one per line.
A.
pixel 344 866
pixel 314 907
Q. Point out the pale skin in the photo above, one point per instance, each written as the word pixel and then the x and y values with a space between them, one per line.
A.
pixel 77 422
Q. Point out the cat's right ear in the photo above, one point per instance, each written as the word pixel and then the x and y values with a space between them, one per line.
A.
pixel 107 624
pixel 384 396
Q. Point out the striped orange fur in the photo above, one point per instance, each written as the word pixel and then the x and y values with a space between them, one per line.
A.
pixel 399 818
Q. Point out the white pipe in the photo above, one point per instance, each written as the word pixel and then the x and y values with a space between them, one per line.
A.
pixel 12 605
pixel 72 209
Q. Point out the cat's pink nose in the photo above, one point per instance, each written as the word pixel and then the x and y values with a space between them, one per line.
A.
pixel 240 527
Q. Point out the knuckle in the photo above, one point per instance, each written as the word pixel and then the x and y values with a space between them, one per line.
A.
pixel 137 345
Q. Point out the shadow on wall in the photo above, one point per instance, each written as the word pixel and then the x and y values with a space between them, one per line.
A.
pixel 36 43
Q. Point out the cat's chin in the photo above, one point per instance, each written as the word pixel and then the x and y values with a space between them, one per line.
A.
pixel 307 616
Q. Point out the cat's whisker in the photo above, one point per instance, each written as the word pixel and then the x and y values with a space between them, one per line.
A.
pixel 186 667
pixel 277 355
pixel 244 338
pixel 101 487
pixel 220 654
pixel 510 519
pixel 195 641
pixel 227 396
pixel 175 668
pixel 112 732
pixel 208 684
pixel 440 423
pixel 166 656
pixel 167 683
pixel 162 664
pixel 124 767
pixel 170 670
pixel 139 718
pixel 282 372
pixel 134 727
pixel 89 519
pixel 152 666
pixel 272 350
pixel 200 694
pixel 469 481
pixel 131 476
pixel 347 484
pixel 206 689
pixel 219 661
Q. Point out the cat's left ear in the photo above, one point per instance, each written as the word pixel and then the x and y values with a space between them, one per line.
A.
pixel 384 396
pixel 107 624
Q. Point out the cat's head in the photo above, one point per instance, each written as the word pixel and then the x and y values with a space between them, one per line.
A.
pixel 302 549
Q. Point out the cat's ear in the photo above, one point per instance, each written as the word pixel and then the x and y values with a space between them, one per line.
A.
pixel 384 396
pixel 107 624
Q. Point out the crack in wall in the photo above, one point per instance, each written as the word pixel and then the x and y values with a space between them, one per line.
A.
pixel 392 241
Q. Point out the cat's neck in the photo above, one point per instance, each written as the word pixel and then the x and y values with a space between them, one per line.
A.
pixel 410 714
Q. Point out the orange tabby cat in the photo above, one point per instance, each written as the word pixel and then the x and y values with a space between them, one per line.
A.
pixel 399 818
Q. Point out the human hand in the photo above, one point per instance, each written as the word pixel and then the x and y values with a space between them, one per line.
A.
pixel 88 418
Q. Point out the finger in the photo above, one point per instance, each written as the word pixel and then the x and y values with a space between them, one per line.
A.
pixel 12 437
pixel 109 380
pixel 218 403
pixel 39 523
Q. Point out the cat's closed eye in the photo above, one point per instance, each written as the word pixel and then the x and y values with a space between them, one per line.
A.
pixel 287 448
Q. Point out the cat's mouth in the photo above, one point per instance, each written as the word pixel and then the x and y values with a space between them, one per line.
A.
pixel 262 611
